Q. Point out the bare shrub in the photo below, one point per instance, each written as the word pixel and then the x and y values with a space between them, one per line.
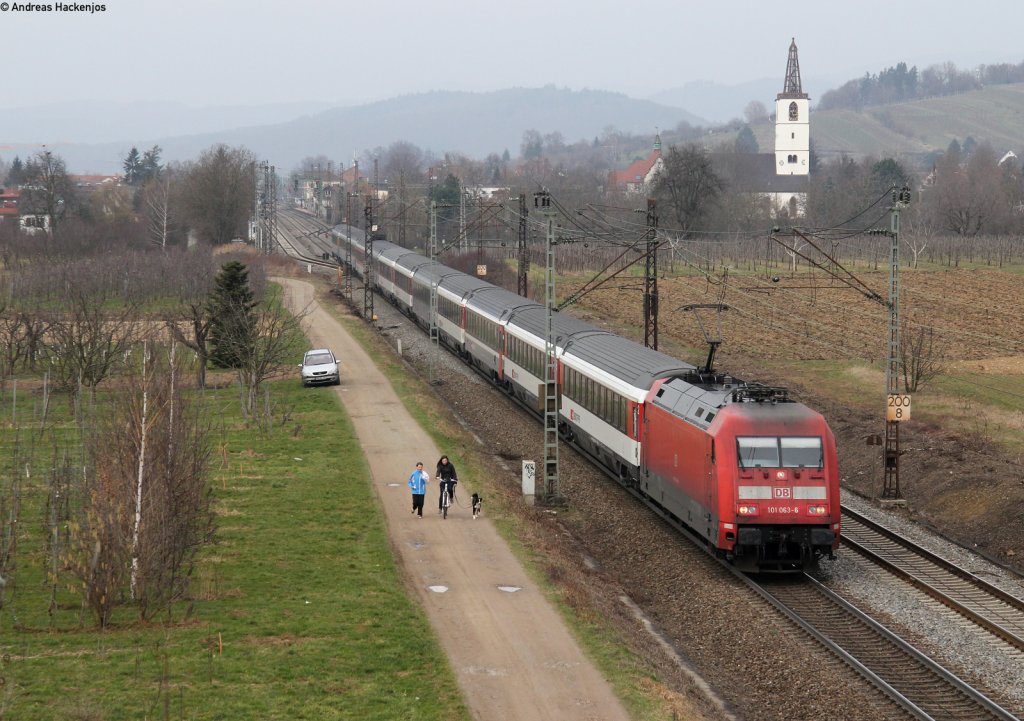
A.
pixel 145 509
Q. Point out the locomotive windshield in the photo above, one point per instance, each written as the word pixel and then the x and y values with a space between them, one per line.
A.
pixel 775 452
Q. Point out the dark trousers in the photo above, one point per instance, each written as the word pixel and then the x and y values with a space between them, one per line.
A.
pixel 417 502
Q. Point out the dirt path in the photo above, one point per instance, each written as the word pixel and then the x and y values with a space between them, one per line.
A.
pixel 512 654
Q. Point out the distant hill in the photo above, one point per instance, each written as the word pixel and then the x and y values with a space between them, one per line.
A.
pixel 95 121
pixel 719 103
pixel 472 123
pixel 917 130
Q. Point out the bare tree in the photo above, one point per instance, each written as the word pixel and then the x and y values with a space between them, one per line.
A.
pixel 190 322
pixel 266 351
pixel 755 112
pixel 688 185
pixel 157 198
pixel 88 338
pixel 920 355
pixel 144 511
pixel 218 193
pixel 47 191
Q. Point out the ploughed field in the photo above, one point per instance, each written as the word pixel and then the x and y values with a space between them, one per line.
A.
pixel 961 465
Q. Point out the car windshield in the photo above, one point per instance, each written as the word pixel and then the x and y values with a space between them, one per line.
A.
pixel 318 359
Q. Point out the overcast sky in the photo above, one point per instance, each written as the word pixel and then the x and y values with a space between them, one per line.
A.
pixel 228 52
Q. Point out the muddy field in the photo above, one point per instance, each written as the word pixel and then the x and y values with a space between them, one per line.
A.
pixel 960 469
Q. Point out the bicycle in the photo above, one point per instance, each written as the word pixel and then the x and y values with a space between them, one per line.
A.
pixel 445 502
pixel 446 498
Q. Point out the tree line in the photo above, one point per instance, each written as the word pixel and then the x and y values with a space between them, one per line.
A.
pixel 900 84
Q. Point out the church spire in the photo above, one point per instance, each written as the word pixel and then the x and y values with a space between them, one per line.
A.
pixel 792 87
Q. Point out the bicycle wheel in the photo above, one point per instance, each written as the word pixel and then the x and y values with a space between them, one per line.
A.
pixel 444 506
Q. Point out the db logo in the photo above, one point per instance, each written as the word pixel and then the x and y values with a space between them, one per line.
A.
pixel 572 414
pixel 780 492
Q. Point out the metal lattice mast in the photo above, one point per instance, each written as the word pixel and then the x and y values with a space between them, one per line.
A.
pixel 265 239
pixel 651 277
pixel 273 209
pixel 347 288
pixel 435 336
pixel 257 205
pixel 401 208
pixel 464 242
pixel 891 459
pixel 552 495
pixel 524 255
pixel 368 272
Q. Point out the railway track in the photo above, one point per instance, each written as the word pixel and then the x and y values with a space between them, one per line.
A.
pixel 923 688
pixel 916 686
pixel 305 244
pixel 991 608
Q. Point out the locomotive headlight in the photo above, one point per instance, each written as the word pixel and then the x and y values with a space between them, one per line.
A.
pixel 780 475
pixel 817 510
pixel 746 510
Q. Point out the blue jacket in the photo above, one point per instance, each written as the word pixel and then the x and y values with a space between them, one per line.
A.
pixel 418 481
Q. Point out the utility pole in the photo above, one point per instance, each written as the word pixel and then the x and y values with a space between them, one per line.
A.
pixel 551 496
pixel 897 404
pixel 347 288
pixel 269 208
pixel 368 272
pixel 651 277
pixel 435 336
pixel 401 208
pixel 524 255
pixel 464 243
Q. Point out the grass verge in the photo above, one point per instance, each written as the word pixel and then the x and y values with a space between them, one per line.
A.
pixel 300 611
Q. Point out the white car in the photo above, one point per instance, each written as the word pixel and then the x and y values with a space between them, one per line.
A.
pixel 320 367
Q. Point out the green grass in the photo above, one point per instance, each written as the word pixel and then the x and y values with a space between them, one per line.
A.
pixel 301 611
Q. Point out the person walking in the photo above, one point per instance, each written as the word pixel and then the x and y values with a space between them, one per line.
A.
pixel 418 483
pixel 448 478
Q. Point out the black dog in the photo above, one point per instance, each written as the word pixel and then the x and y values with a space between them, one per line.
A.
pixel 477 504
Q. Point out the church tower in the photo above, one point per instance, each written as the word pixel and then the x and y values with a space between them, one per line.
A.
pixel 792 122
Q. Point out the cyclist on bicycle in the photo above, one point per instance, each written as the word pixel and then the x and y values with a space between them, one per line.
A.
pixel 448 478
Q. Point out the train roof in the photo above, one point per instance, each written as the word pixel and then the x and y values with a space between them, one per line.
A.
pixel 496 301
pixel 394 253
pixel 534 319
pixel 462 284
pixel 697 398
pixel 625 359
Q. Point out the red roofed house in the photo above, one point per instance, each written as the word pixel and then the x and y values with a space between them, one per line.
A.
pixel 9 203
pixel 638 176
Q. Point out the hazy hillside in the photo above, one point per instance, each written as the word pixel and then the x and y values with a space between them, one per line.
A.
pixel 96 121
pixel 719 103
pixel 472 123
pixel 917 130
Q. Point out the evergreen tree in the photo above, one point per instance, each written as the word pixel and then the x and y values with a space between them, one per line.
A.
pixel 149 166
pixel 746 142
pixel 16 175
pixel 132 166
pixel 232 322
